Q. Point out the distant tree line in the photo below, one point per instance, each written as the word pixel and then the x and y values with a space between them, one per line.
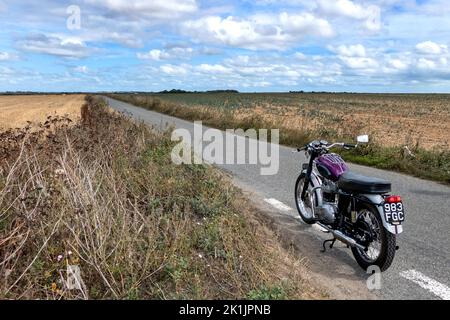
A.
pixel 185 91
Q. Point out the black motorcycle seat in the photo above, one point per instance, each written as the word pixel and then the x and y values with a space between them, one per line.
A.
pixel 356 183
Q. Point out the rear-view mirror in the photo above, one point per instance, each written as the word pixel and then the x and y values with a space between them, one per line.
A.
pixel 363 139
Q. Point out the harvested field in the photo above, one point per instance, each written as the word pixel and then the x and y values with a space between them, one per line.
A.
pixel 16 111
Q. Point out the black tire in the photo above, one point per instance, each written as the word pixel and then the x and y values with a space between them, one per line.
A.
pixel 388 245
pixel 299 184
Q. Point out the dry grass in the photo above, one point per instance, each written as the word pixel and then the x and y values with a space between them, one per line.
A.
pixel 17 111
pixel 104 195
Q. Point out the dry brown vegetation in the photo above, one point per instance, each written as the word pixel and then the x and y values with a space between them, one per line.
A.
pixel 103 194
pixel 17 111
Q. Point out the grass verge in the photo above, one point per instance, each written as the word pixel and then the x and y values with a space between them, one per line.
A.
pixel 103 195
pixel 428 164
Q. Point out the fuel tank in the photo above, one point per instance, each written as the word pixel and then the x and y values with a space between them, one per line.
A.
pixel 331 166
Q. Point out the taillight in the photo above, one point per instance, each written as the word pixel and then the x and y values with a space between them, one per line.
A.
pixel 393 199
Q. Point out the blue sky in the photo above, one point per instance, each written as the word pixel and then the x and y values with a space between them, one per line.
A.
pixel 262 45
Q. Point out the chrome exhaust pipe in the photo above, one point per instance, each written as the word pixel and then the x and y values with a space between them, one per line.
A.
pixel 342 237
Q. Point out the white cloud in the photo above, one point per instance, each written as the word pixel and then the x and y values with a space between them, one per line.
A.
pixel 174 70
pixel 426 64
pixel 342 8
pixel 213 69
pixel 6 56
pixel 172 53
pixel 275 32
pixel 370 15
pixel 53 45
pixel 398 64
pixel 429 47
pixel 158 9
pixel 357 50
pixel 360 63
pixel 154 54
pixel 299 56
pixel 356 57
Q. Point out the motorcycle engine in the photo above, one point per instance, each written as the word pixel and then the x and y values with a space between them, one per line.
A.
pixel 328 210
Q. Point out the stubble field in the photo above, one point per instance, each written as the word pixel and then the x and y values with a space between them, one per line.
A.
pixel 17 111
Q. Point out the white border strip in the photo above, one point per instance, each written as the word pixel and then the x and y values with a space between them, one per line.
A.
pixel 278 204
pixel 433 286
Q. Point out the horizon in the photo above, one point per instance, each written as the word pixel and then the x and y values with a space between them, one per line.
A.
pixel 167 91
pixel 358 46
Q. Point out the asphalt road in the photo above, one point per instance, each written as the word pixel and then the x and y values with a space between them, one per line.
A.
pixel 421 269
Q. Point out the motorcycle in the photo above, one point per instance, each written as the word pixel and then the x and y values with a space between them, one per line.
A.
pixel 357 210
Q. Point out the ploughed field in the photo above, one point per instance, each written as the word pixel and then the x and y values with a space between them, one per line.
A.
pixel 17 111
pixel 409 133
pixel 415 120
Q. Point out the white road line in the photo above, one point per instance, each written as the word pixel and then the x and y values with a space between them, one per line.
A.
pixel 282 207
pixel 278 204
pixel 435 287
pixel 319 228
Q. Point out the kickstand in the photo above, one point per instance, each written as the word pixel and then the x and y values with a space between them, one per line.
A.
pixel 331 245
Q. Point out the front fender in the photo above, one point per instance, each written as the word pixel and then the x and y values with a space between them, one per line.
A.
pixel 376 199
pixel 317 185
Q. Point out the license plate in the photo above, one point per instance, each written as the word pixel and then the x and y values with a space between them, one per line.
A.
pixel 394 213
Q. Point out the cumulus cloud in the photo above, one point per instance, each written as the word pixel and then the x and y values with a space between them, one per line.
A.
pixel 370 15
pixel 430 47
pixel 174 70
pixel 397 64
pixel 6 56
pixel 257 32
pixel 355 57
pixel 213 69
pixel 55 46
pixel 154 54
pixel 172 53
pixel 425 61
pixel 357 50
pixel 157 9
pixel 366 64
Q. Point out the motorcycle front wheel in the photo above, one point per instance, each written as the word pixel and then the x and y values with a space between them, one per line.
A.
pixel 381 250
pixel 305 208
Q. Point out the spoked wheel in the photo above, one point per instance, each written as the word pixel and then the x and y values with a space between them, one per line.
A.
pixel 380 243
pixel 305 208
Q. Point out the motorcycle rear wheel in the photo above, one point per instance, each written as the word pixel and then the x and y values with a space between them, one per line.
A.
pixel 383 241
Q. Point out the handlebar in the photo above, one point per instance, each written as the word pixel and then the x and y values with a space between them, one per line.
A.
pixel 327 146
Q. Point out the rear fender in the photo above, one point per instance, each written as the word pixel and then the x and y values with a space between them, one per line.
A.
pixel 376 200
